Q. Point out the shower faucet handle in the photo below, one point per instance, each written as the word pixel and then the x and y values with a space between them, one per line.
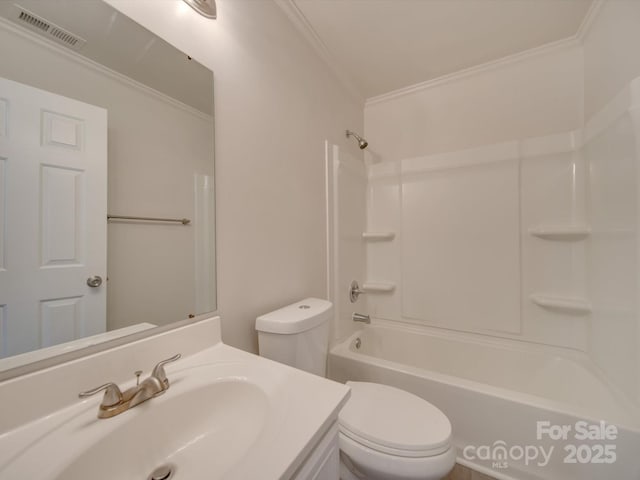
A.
pixel 354 291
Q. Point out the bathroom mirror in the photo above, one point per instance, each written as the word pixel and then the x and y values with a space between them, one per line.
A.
pixel 105 92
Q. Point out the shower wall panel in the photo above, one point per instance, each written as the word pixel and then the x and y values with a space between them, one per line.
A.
pixel 612 158
pixel 460 227
pixel 476 246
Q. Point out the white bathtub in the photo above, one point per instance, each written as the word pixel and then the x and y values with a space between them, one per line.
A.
pixel 495 393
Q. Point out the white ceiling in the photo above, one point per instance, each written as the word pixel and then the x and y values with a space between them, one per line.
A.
pixel 384 45
pixel 119 43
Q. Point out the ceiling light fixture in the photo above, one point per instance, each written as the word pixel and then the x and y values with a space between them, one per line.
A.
pixel 206 8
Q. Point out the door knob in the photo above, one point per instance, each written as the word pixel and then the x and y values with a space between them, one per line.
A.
pixel 94 281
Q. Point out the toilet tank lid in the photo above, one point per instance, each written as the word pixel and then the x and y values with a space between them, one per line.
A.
pixel 297 317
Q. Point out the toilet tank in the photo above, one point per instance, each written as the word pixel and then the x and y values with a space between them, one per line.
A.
pixel 297 335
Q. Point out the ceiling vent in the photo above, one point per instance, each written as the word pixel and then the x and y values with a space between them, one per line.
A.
pixel 47 29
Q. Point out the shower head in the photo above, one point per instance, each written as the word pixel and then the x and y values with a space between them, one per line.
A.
pixel 362 143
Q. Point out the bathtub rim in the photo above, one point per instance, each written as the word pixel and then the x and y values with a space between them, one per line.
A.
pixel 630 417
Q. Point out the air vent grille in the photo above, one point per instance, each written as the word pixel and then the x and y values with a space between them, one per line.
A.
pixel 64 37
pixel 48 29
pixel 34 21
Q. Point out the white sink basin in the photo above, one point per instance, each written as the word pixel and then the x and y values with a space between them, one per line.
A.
pixel 211 417
pixel 207 429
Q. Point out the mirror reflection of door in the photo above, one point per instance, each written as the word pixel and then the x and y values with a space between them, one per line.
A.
pixel 53 199
pixel 160 164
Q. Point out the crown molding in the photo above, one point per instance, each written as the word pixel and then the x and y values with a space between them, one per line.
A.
pixel 576 39
pixel 476 69
pixel 589 18
pixel 98 67
pixel 303 25
pixel 295 15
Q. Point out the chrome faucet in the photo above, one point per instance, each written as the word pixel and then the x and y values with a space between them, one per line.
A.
pixel 359 317
pixel 115 401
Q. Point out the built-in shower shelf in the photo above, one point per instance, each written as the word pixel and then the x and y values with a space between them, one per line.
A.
pixel 378 236
pixel 371 287
pixel 560 232
pixel 577 306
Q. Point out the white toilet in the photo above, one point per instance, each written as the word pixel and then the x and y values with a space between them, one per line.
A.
pixel 385 433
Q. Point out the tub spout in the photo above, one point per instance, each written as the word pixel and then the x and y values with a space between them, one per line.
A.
pixel 359 317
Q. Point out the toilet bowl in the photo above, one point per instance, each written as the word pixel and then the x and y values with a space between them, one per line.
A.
pixel 387 433
pixel 384 433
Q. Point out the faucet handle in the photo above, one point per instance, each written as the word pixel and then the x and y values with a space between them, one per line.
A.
pixel 159 373
pixel 354 291
pixel 112 394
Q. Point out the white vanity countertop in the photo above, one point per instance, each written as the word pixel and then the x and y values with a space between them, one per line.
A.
pixel 312 406
pixel 300 408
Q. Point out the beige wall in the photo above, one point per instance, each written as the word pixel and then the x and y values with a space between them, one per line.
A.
pixel 611 58
pixel 538 95
pixel 275 104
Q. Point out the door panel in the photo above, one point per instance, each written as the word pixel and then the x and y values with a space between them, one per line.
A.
pixel 59 130
pixel 4 111
pixel 60 320
pixel 62 219
pixel 3 202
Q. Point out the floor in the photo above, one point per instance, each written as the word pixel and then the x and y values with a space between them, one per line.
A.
pixel 463 473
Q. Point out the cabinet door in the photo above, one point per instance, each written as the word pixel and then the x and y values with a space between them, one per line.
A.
pixel 323 463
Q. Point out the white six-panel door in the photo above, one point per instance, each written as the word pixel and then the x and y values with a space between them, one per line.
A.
pixel 53 199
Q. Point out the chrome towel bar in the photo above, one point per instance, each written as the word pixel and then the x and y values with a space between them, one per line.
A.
pixel 183 221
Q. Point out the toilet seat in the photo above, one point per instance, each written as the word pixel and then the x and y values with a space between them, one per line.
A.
pixel 364 462
pixel 394 422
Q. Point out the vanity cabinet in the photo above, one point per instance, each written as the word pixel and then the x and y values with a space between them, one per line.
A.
pixel 323 463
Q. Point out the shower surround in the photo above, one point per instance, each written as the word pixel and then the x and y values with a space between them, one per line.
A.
pixel 503 263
